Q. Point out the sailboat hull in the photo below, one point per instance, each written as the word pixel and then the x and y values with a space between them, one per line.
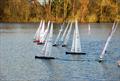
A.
pixel 100 60
pixel 36 41
pixel 76 53
pixel 64 45
pixel 40 43
pixel 44 57
pixel 55 45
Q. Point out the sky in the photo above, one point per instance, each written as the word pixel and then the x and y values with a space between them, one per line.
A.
pixel 41 1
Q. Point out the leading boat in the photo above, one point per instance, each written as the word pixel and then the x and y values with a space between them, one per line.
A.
pixel 76 45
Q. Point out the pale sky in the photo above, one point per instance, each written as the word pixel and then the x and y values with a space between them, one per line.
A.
pixel 41 1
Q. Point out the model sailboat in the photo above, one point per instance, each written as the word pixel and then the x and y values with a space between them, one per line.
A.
pixel 43 34
pixel 107 42
pixel 67 36
pixel 64 34
pixel 57 41
pixel 47 49
pixel 36 37
pixel 76 45
pixel 89 29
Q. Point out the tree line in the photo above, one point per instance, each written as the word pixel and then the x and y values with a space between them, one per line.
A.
pixel 59 10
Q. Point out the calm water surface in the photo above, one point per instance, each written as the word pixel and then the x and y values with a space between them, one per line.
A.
pixel 17 52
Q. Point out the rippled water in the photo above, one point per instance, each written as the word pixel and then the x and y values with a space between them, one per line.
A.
pixel 17 52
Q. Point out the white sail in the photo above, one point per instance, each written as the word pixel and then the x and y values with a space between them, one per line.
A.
pixel 108 40
pixel 89 29
pixel 48 44
pixel 76 45
pixel 41 35
pixel 68 35
pixel 63 36
pixel 44 48
pixel 37 32
pixel 46 31
pixel 77 38
pixel 73 43
pixel 58 37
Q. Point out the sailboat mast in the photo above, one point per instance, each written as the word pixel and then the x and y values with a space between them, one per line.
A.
pixel 38 30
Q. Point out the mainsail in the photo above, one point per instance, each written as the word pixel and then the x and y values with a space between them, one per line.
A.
pixel 36 37
pixel 89 29
pixel 77 38
pixel 46 31
pixel 41 33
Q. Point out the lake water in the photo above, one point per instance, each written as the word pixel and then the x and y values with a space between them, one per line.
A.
pixel 17 52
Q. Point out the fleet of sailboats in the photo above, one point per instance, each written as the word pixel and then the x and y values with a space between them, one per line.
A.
pixel 45 36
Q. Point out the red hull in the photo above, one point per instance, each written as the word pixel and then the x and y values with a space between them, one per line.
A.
pixel 36 41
